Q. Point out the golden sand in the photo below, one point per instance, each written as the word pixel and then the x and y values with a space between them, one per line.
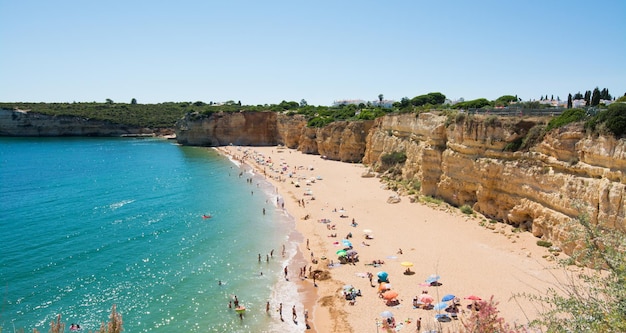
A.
pixel 471 255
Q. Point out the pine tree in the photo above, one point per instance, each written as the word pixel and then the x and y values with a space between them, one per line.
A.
pixel 587 98
pixel 569 101
pixel 595 98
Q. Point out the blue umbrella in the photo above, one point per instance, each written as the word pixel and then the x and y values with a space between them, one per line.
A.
pixel 382 275
pixel 440 306
pixel 447 298
pixel 346 243
pixel 433 278
pixel 386 314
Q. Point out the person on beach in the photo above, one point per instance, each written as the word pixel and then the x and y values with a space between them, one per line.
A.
pixel 280 311
pixel 267 307
pixel 259 257
pixel 418 324
pixel 285 270
pixel 236 301
pixel 272 253
pixel 294 316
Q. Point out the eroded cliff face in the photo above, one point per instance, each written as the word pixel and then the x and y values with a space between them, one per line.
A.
pixel 341 141
pixel 540 190
pixel 23 123
pixel 220 129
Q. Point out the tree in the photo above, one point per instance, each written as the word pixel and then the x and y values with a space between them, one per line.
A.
pixel 505 100
pixel 405 102
pixel 595 98
pixel 109 101
pixel 133 101
pixel 569 101
pixel 380 98
pixel 303 103
pixel 588 98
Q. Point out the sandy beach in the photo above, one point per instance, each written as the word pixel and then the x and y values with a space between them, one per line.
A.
pixel 470 255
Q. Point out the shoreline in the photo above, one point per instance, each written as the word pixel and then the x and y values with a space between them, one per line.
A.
pixel 304 287
pixel 470 258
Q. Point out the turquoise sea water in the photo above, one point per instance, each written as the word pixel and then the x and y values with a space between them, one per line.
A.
pixel 86 223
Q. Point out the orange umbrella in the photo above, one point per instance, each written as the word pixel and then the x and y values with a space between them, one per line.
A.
pixel 390 294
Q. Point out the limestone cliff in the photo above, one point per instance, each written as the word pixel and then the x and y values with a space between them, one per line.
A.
pixel 541 189
pixel 342 141
pixel 219 129
pixel 23 123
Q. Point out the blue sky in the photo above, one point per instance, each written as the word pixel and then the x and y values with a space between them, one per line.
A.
pixel 263 52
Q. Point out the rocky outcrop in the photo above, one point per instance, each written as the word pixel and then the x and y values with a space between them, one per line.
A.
pixel 541 189
pixel 24 123
pixel 220 129
pixel 341 141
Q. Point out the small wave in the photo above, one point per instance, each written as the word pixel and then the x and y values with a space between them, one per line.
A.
pixel 120 204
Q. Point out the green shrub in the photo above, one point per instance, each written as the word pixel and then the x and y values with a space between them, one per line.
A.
pixel 544 243
pixel 430 199
pixel 614 118
pixel 319 121
pixel 466 209
pixel 393 158
pixel 533 136
pixel 460 117
pixel 514 145
pixel 491 121
pixel 569 116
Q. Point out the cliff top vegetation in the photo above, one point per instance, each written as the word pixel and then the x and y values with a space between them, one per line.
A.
pixel 164 115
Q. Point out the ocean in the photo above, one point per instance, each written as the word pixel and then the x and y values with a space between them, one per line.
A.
pixel 87 223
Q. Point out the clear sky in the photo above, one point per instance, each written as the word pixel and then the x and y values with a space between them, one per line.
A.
pixel 263 52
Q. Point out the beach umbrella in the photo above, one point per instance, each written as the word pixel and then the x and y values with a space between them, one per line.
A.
pixel 425 298
pixel 382 275
pixel 341 253
pixel 390 294
pixel 433 278
pixel 367 231
pixel 440 306
pixel 348 287
pixel 346 242
pixel 386 314
pixel 447 298
pixel 351 252
pixel 406 264
pixel 384 286
pixel 473 298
